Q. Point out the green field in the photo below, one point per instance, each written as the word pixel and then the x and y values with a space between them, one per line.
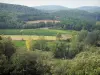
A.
pixel 39 32
pixel 19 43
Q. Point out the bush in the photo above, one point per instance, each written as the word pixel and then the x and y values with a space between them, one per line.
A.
pixel 41 44
pixel 7 47
pixel 86 63
pixel 92 38
pixel 60 67
pixel 59 50
pixel 3 65
pixel 82 35
pixel 31 62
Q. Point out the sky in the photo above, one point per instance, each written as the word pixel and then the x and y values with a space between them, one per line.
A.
pixel 66 3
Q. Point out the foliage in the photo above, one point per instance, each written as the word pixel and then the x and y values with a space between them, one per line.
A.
pixel 84 63
pixel 89 64
pixel 38 25
pixel 29 44
pixel 41 44
pixel 4 65
pixel 79 58
pixel 60 67
pixel 97 26
pixel 93 37
pixel 8 21
pixel 59 50
pixel 31 62
pixel 82 35
pixel 58 36
pixel 7 47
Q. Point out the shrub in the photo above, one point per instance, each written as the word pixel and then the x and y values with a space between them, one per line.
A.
pixel 29 44
pixel 7 47
pixel 59 50
pixel 41 44
pixel 31 62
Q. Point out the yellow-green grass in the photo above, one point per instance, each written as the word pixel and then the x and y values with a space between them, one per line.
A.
pixel 26 37
pixel 33 37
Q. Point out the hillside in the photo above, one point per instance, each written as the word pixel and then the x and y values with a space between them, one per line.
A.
pixel 74 14
pixel 17 16
pixel 23 12
pixel 90 8
pixel 18 9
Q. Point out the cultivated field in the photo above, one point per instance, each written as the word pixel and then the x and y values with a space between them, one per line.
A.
pixel 35 34
pixel 38 32
pixel 33 37
pixel 26 37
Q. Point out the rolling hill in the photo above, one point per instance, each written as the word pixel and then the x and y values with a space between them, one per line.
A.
pixel 29 13
pixel 69 18
pixel 18 9
pixel 90 8
pixel 74 14
pixel 24 13
pixel 51 8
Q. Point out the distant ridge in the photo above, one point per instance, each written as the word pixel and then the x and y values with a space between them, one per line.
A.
pixel 90 8
pixel 18 8
pixel 51 7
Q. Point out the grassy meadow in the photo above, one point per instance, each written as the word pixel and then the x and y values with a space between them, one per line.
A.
pixel 19 43
pixel 43 32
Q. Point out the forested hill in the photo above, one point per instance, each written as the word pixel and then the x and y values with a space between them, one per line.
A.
pixel 18 9
pixel 24 13
pixel 90 8
pixel 75 19
pixel 74 14
pixel 16 16
pixel 51 8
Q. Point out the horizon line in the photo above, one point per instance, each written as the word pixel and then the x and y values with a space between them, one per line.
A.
pixel 48 5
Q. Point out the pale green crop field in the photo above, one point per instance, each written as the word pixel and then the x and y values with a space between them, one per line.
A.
pixel 39 32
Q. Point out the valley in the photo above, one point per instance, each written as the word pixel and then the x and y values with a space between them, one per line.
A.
pixel 49 40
